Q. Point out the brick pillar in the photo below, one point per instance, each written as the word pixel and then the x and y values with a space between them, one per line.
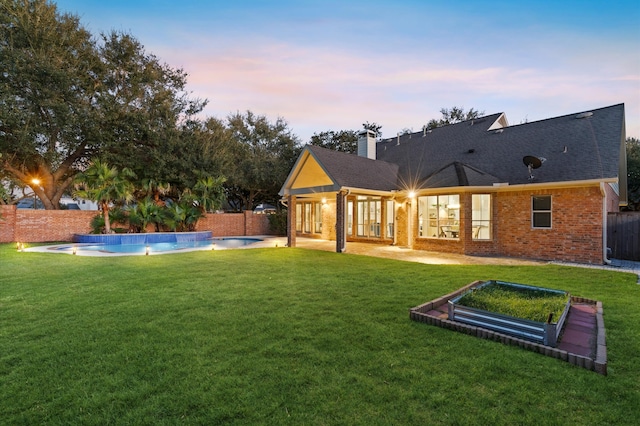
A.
pixel 341 234
pixel 291 221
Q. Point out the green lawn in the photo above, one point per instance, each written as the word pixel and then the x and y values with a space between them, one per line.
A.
pixel 287 336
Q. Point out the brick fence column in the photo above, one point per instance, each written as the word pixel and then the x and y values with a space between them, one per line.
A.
pixel 341 235
pixel 291 221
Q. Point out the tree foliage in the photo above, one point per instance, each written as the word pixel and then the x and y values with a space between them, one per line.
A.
pixel 374 127
pixel 262 154
pixel 105 185
pixel 66 97
pixel 633 173
pixel 452 116
pixel 50 68
pixel 342 140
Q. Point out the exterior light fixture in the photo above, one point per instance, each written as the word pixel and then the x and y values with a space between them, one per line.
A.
pixel 147 250
pixel 35 182
pixel 74 250
pixel 412 194
pixel 18 246
pixel 324 200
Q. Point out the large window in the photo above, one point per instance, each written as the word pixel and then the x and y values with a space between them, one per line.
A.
pixel 369 216
pixel 541 211
pixel 390 214
pixel 309 217
pixel 317 218
pixel 299 217
pixel 349 217
pixel 439 216
pixel 481 216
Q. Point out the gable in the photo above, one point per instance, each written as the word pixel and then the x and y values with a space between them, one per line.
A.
pixel 310 174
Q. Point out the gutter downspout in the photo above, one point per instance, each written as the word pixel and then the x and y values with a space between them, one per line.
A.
pixel 605 259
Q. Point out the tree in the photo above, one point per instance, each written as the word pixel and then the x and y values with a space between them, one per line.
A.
pixel 452 116
pixel 208 193
pixel 148 119
pixel 49 71
pixel 374 127
pixel 342 140
pixel 105 185
pixel 66 97
pixel 633 173
pixel 263 154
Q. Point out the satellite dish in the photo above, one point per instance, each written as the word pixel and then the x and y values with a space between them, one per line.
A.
pixel 531 161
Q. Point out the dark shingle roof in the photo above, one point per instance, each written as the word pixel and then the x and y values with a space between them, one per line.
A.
pixel 350 170
pixel 574 148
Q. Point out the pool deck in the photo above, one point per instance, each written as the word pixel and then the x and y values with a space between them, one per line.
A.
pixel 436 258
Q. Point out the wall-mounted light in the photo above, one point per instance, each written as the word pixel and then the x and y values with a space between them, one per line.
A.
pixel 412 194
pixel 324 201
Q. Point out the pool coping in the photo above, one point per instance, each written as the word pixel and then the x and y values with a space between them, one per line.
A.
pixel 265 241
pixel 432 313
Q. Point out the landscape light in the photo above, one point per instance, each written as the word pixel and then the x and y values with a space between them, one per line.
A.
pixel 147 250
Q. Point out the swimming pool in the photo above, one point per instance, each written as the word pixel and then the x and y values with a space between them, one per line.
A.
pixel 152 248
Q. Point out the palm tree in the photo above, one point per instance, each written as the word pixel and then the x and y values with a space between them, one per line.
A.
pixel 209 193
pixel 105 185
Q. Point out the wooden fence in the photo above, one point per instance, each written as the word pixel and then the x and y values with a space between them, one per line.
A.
pixel 623 235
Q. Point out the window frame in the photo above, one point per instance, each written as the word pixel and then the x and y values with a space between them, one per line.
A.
pixel 482 222
pixel 432 217
pixel 539 212
pixel 317 218
pixel 368 217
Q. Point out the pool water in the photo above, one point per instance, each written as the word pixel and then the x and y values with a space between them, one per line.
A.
pixel 166 247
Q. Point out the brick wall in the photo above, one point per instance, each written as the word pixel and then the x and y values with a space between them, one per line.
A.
pixel 7 223
pixel 26 225
pixel 575 235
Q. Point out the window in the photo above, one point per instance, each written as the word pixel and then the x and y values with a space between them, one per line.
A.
pixel 349 217
pixel 299 217
pixel 439 216
pixel 317 218
pixel 307 218
pixel 541 211
pixel 481 216
pixel 390 213
pixel 369 216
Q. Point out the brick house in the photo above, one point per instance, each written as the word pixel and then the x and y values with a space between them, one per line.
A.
pixel 538 190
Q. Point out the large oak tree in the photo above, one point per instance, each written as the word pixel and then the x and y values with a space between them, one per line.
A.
pixel 67 97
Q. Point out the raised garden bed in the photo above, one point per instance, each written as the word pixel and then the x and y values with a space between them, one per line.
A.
pixel 588 351
pixel 519 310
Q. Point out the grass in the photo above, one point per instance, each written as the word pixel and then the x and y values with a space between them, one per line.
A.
pixel 287 336
pixel 530 304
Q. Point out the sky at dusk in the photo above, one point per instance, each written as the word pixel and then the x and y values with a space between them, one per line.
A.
pixel 333 65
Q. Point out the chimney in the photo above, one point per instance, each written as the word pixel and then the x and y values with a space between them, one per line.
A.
pixel 367 144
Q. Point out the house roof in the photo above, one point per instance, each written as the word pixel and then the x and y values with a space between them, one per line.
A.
pixel 575 147
pixel 352 171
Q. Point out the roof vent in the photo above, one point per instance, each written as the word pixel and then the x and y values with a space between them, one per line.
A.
pixel 471 151
pixel 584 115
pixel 499 131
